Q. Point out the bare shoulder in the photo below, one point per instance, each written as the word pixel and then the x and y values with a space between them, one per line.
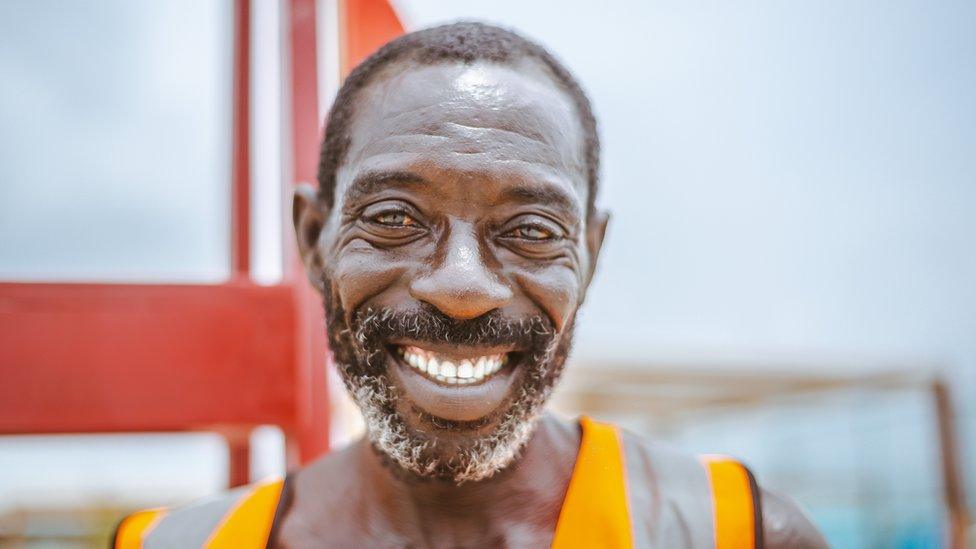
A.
pixel 324 488
pixel 786 525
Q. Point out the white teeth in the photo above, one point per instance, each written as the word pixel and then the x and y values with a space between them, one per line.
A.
pixel 463 372
pixel 465 369
pixel 492 364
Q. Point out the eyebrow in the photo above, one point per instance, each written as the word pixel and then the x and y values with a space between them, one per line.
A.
pixel 545 194
pixel 371 182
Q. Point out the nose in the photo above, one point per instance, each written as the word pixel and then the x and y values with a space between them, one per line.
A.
pixel 461 285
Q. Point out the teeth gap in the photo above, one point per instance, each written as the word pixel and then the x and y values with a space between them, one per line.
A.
pixel 450 371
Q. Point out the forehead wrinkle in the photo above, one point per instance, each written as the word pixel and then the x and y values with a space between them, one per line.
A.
pixel 526 138
pixel 515 117
pixel 469 166
pixel 509 146
pixel 521 99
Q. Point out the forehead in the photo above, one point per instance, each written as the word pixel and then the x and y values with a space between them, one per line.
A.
pixel 505 122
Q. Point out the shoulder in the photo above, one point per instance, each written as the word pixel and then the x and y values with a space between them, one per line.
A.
pixel 327 487
pixel 192 525
pixel 786 525
pixel 678 486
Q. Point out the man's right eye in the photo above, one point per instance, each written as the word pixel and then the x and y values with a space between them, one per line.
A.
pixel 394 219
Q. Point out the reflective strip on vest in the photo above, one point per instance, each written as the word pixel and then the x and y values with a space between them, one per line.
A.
pixel 226 520
pixel 191 525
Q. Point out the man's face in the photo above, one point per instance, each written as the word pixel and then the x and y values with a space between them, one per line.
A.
pixel 454 259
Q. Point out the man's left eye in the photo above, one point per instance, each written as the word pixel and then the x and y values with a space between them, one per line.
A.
pixel 395 219
pixel 532 232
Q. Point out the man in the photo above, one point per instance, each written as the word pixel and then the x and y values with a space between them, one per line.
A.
pixel 453 237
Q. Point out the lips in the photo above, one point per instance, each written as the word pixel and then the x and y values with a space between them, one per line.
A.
pixel 456 384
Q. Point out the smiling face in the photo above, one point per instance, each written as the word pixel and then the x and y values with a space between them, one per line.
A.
pixel 454 258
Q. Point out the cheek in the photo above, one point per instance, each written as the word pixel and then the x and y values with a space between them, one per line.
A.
pixel 556 289
pixel 360 274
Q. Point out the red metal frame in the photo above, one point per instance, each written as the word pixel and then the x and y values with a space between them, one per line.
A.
pixel 78 358
pixel 241 169
pixel 311 398
pixel 94 357
pixel 368 25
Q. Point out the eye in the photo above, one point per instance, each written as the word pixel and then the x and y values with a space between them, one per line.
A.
pixel 394 219
pixel 532 232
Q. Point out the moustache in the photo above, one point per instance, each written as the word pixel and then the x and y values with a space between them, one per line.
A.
pixel 373 327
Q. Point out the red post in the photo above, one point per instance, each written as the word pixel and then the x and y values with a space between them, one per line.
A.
pixel 238 456
pixel 312 400
pixel 241 170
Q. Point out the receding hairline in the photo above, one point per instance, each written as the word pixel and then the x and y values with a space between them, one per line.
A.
pixel 462 43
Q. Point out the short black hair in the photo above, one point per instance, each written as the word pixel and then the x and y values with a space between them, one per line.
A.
pixel 466 42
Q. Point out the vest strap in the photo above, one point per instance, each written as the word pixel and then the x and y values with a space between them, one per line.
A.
pixel 735 503
pixel 133 529
pixel 595 511
pixel 248 525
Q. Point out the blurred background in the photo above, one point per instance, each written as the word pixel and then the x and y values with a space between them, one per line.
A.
pixel 788 277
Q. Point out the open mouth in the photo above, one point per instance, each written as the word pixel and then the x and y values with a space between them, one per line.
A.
pixel 449 370
pixel 455 383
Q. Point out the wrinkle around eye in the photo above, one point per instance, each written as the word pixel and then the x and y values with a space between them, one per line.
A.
pixel 386 238
pixel 547 252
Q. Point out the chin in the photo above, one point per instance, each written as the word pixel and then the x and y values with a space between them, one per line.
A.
pixel 451 412
pixel 422 445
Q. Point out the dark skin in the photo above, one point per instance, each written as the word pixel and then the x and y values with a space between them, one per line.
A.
pixel 463 188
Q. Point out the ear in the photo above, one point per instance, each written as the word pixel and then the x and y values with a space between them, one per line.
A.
pixel 309 216
pixel 596 230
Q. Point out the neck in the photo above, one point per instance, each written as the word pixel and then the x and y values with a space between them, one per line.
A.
pixel 532 488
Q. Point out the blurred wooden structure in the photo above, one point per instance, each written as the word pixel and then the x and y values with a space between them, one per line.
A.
pixel 672 393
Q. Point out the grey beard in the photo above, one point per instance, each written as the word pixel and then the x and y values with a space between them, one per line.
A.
pixel 481 460
pixel 361 362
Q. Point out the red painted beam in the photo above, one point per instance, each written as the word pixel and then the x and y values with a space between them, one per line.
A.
pixel 312 398
pixel 241 169
pixel 92 357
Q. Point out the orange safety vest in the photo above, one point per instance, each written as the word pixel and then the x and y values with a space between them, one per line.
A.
pixel 597 511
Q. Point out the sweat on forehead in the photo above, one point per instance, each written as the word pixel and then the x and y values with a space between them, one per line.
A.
pixel 458 44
